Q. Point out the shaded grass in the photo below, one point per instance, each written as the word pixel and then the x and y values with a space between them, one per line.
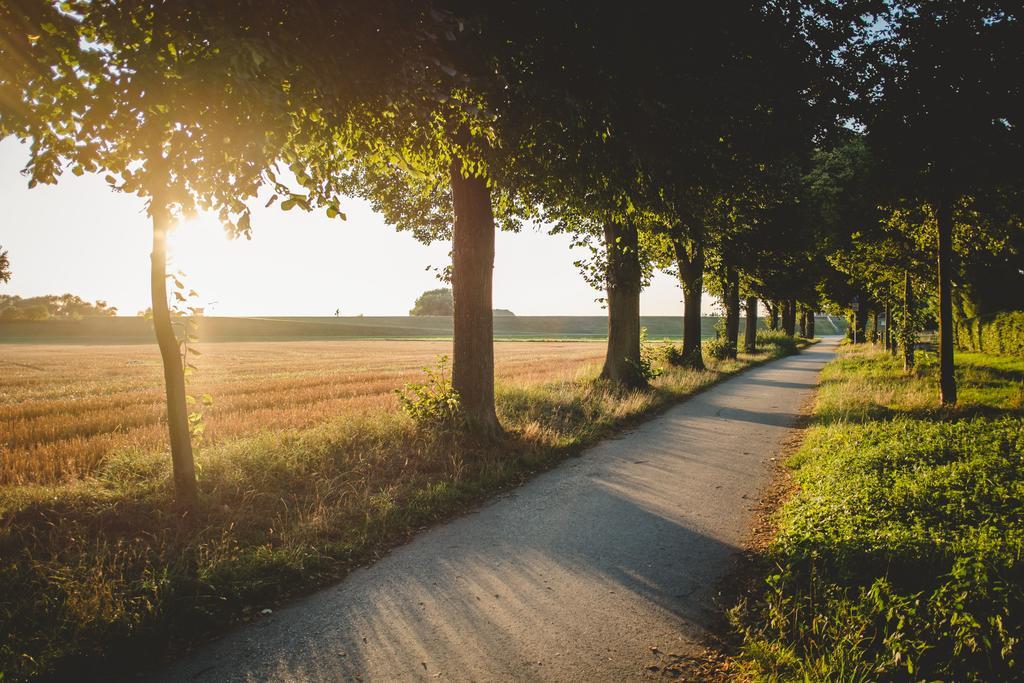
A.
pixel 101 574
pixel 902 555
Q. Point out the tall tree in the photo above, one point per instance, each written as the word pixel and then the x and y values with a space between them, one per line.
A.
pixel 939 84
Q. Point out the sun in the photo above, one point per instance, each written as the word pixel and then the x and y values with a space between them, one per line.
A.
pixel 199 249
pixel 192 237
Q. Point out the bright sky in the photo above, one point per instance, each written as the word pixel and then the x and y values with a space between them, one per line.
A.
pixel 82 238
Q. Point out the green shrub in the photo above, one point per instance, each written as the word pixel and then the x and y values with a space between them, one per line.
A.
pixel 650 355
pixel 433 404
pixel 717 348
pixel 776 338
pixel 1002 335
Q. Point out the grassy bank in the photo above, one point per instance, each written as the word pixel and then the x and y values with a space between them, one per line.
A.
pixel 901 556
pixel 102 570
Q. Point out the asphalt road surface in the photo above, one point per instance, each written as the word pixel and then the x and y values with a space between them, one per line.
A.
pixel 573 576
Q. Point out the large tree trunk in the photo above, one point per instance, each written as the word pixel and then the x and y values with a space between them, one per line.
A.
pixel 623 276
pixel 691 279
pixel 803 322
pixel 185 487
pixel 789 317
pixel 473 319
pixel 906 328
pixel 732 310
pixel 947 380
pixel 810 324
pixel 874 326
pixel 750 332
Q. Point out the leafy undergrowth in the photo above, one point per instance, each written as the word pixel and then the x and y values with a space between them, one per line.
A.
pixel 901 557
pixel 104 572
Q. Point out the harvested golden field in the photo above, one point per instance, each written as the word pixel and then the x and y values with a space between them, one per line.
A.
pixel 64 408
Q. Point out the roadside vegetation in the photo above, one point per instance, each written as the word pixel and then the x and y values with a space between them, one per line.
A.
pixel 104 563
pixel 901 557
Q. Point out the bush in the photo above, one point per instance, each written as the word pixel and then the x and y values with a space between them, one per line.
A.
pixel 433 404
pixel 777 338
pixel 650 354
pixel 1003 335
pixel 717 348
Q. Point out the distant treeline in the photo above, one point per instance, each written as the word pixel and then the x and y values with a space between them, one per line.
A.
pixel 52 306
pixel 137 330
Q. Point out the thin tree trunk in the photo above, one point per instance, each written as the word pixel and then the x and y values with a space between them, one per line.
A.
pixel 803 322
pixel 810 324
pixel 750 332
pixel 691 279
pixel 891 328
pixel 773 311
pixel 874 326
pixel 183 464
pixel 907 331
pixel 947 379
pixel 622 360
pixel 886 336
pixel 473 318
pixel 732 310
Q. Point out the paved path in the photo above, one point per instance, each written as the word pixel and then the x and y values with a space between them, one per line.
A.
pixel 571 577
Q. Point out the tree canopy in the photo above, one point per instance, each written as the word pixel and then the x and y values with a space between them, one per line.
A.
pixel 434 302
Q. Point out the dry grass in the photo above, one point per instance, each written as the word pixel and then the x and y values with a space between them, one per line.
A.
pixel 309 469
pixel 63 409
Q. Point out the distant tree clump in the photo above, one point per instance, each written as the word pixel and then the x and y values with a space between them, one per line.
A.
pixel 52 306
pixel 5 266
pixel 434 302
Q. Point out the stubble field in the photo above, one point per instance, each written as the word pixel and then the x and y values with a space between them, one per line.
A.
pixel 64 408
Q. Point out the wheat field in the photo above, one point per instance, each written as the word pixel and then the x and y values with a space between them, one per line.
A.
pixel 63 408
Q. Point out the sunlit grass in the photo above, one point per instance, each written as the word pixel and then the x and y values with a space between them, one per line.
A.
pixel 900 558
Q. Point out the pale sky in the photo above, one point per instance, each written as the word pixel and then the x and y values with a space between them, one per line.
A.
pixel 80 237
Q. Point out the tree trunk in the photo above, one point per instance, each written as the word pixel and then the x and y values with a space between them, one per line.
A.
pixel 789 317
pixel 750 332
pixel 947 380
pixel 890 328
pixel 473 318
pixel 183 464
pixel 874 326
pixel 773 311
pixel 803 322
pixel 860 324
pixel 691 278
pixel 622 361
pixel 732 310
pixel 810 324
pixel 886 336
pixel 907 331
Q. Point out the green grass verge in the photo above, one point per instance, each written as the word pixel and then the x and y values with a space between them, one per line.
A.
pixel 100 576
pixel 901 556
